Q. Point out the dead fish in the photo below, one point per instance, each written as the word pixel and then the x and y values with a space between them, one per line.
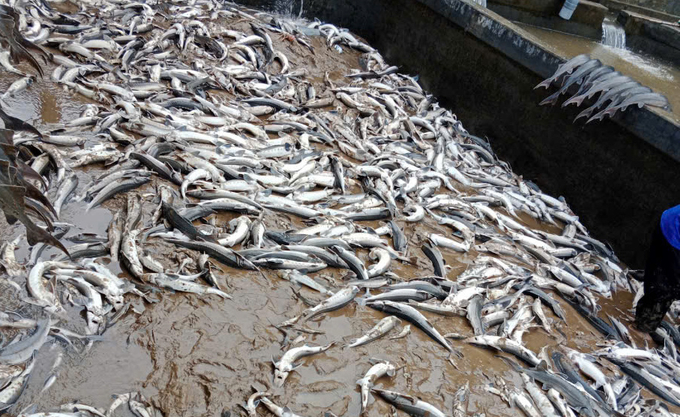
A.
pixel 383 327
pixel 366 383
pixel 286 364
pixel 18 86
pixel 410 405
pixel 332 303
pixel 183 285
pixel 21 351
pixel 276 410
pixel 412 315
pixel 565 68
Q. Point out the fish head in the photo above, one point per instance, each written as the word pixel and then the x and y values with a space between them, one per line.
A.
pixel 93 322
pixel 387 395
pixel 280 377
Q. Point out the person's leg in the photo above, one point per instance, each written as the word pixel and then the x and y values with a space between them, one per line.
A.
pixel 650 311
pixel 662 283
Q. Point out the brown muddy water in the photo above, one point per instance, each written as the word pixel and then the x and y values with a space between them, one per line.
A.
pixel 648 71
pixel 200 355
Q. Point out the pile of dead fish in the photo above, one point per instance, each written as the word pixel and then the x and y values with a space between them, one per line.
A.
pixel 215 120
pixel 616 91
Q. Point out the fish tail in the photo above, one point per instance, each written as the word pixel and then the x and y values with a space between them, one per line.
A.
pixel 544 83
pixel 568 102
pixel 550 100
pixel 585 113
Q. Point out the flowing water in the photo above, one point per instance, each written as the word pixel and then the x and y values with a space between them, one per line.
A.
pixel 613 34
pixel 288 8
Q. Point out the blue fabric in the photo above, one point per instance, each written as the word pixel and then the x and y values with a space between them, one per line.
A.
pixel 670 226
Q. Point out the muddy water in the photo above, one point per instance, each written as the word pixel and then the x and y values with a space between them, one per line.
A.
pixel 199 355
pixel 646 70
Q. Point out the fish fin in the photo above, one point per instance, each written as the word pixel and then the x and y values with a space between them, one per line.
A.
pixel 391 372
pixel 361 301
pixel 542 365
pixel 568 102
pixel 549 100
pixel 360 381
pixel 544 83
pixel 514 365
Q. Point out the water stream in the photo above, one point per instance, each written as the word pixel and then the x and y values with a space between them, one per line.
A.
pixel 613 34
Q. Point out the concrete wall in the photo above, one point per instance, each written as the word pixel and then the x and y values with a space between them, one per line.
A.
pixel 669 12
pixel 651 37
pixel 618 183
pixel 586 20
pixel 665 6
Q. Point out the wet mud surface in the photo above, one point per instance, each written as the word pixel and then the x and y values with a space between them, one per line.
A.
pixel 196 355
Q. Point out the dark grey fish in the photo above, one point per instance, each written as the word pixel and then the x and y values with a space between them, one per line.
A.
pixel 436 258
pixel 355 264
pixel 115 188
pixel 398 237
pixel 338 173
pixel 429 287
pixel 330 259
pixel 219 252
pixel 537 292
pixel 474 314
pixel 565 367
pixel 158 167
pixel 378 213
pixel 182 224
pixel 411 315
pixel 410 405
pixel 573 395
pixel 643 377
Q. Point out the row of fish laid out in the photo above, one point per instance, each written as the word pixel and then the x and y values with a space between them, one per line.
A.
pixel 616 91
pixel 211 120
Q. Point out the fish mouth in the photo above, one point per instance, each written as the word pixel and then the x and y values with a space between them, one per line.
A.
pixel 280 378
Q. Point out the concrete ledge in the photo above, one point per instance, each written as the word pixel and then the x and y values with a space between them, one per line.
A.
pixel 651 36
pixel 668 10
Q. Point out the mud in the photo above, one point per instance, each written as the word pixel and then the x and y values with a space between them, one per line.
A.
pixel 192 355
